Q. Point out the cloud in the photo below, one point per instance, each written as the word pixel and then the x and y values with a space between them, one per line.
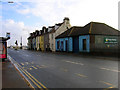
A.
pixel 80 12
pixel 17 30
pixel 24 11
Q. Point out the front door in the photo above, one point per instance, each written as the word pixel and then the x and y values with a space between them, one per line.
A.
pixel 66 45
pixel 84 44
pixel 76 44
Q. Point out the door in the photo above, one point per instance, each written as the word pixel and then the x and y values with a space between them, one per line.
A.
pixel 61 45
pixel 76 44
pixel 84 44
pixel 66 45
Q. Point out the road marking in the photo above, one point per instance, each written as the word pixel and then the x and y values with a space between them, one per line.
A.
pixel 81 75
pixel 35 79
pixel 74 62
pixel 42 66
pixel 31 79
pixel 26 62
pixel 22 64
pixel 107 83
pixel 30 76
pixel 34 67
pixel 30 68
pixel 110 69
pixel 65 70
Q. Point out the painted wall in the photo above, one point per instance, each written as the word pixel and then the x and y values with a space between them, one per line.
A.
pixel 52 41
pixel 70 41
pixel 38 42
pixel 34 43
pixel 42 43
pixel 63 27
pixel 30 43
pixel 63 47
pixel 87 37
pixel 46 41
pixel 106 43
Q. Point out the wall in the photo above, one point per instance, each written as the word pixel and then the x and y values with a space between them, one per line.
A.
pixel 38 42
pixel 34 43
pixel 87 43
pixel 102 46
pixel 52 41
pixel 46 41
pixel 42 43
pixel 30 43
pixel 62 28
pixel 70 41
pixel 69 44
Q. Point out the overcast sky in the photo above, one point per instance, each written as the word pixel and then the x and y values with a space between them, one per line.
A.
pixel 21 18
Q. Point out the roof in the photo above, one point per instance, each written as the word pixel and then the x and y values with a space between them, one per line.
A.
pixel 73 31
pixel 52 30
pixel 59 24
pixel 92 28
pixel 102 29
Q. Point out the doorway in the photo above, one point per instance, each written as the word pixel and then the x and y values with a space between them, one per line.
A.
pixel 84 44
pixel 76 44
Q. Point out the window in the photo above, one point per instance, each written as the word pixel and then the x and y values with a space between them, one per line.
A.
pixel 52 36
pixel 58 44
pixel 52 46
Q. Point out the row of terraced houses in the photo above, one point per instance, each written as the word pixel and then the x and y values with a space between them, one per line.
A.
pixel 93 37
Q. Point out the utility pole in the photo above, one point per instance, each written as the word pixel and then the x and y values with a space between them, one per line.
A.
pixel 21 43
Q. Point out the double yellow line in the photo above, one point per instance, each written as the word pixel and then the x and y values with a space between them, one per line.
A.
pixel 26 73
pixel 33 79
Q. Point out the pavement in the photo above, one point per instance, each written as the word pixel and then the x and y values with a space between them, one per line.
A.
pixel 11 78
pixel 55 70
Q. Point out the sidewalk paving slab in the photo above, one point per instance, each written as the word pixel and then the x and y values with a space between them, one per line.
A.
pixel 11 78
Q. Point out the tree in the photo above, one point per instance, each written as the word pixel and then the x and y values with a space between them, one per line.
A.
pixel 16 42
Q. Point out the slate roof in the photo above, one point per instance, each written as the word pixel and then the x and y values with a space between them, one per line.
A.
pixel 52 30
pixel 92 28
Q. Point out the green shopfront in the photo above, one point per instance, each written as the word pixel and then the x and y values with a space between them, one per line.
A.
pixel 105 43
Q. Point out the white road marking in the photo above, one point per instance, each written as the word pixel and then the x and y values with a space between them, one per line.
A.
pixel 74 62
pixel 81 75
pixel 110 69
pixel 22 63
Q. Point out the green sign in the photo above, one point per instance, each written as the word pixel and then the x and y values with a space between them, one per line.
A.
pixel 110 40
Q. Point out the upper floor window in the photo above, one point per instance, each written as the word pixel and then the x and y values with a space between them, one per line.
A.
pixel 52 36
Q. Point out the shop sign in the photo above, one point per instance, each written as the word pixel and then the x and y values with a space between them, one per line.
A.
pixel 110 40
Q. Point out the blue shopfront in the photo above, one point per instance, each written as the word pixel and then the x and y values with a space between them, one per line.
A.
pixel 64 44
pixel 73 44
pixel 84 43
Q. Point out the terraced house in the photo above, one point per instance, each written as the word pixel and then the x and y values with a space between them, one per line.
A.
pixel 30 42
pixel 57 30
pixel 46 39
pixel 37 40
pixel 93 37
pixel 42 40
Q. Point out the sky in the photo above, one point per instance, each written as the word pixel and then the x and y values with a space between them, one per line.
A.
pixel 25 16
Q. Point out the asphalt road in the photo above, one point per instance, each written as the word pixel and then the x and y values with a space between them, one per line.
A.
pixel 52 70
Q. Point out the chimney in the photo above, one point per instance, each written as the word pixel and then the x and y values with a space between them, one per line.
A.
pixel 67 22
pixel 44 28
pixel 65 19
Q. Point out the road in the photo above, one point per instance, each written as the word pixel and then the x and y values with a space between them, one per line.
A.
pixel 55 70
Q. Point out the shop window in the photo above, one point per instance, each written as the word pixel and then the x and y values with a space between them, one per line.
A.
pixel 58 44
